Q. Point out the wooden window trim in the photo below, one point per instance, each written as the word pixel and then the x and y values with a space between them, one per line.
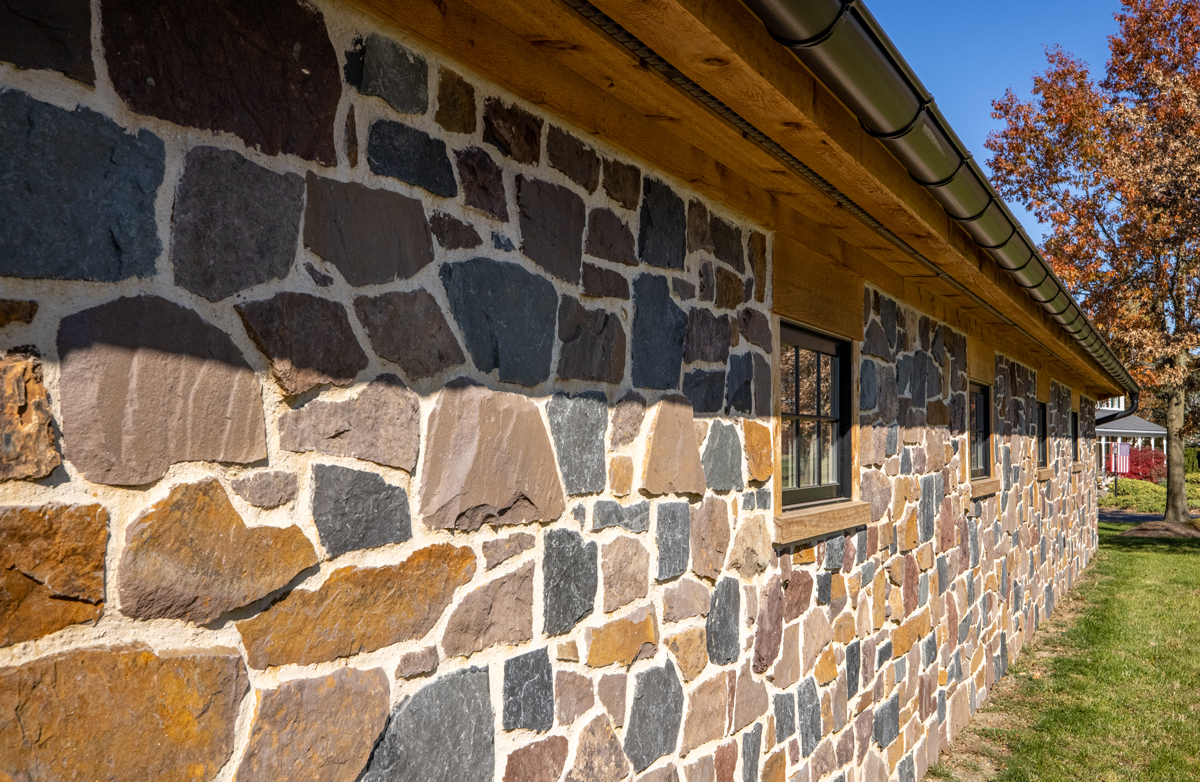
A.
pixel 984 487
pixel 814 521
pixel 1044 474
pixel 991 435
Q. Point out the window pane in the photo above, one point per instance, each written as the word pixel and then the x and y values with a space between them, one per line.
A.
pixel 829 471
pixel 828 385
pixel 807 448
pixel 788 449
pixel 806 382
pixel 787 376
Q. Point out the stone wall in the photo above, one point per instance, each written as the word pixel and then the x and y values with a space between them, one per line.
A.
pixel 362 421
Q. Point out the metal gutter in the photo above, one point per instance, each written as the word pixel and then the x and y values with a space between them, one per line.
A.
pixel 846 48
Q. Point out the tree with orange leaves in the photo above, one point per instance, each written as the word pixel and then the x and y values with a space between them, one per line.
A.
pixel 1113 166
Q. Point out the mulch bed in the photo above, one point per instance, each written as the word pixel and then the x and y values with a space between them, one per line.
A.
pixel 1151 525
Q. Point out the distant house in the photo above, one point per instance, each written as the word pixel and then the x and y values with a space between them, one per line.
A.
pixel 1131 429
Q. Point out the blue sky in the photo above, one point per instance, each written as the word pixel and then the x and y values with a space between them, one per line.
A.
pixel 968 53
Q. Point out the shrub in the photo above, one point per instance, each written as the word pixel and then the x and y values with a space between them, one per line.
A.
pixel 1191 461
pixel 1147 464
pixel 1146 497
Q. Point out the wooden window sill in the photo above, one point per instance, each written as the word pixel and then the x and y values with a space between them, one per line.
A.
pixel 1045 474
pixel 1077 467
pixel 818 520
pixel 983 487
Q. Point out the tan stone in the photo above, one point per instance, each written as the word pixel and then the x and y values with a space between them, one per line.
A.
pixel 27 448
pixel 685 598
pixel 266 489
pixel 598 754
pixel 707 713
pixel 751 550
pixel 627 419
pixel 760 450
pixel 667 773
pixel 844 629
pixel 403 602
pixel 191 557
pixel 672 460
pixel 690 650
pixel 316 730
pixel 382 424
pixel 51 569
pixel 908 633
pixel 612 694
pixel 620 475
pixel 709 537
pixel 568 652
pixel 701 429
pixel 504 549
pixel 623 640
pixel 626 567
pixel 703 770
pixel 418 663
pixel 787 670
pixel 121 713
pixel 750 700
pixel 573 696
pixel 541 761
pixel 879 609
pixel 494 466
pixel 817 635
pixel 826 670
pixel 499 612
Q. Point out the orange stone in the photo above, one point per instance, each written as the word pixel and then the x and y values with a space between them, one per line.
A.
pixel 691 652
pixel 826 670
pixel 760 450
pixel 912 630
pixel 26 422
pixel 844 629
pixel 775 769
pixel 623 640
pixel 620 475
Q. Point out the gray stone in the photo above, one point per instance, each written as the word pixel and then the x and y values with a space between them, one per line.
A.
pixel 635 518
pixel 609 238
pixel 708 337
pixel 762 386
pixel 751 749
pixel 785 716
pixel 570 577
pixel 395 74
pixel 266 489
pixel 513 131
pixel 654 718
pixel 929 650
pixel 452 233
pixel 502 242
pixel 409 329
pixel 739 384
pixel 887 721
pixel 722 459
pixel 578 425
pixel 748 501
pixel 622 183
pixel 887 314
pixel 673 532
pixel 482 181
pixel 875 343
pixel 506 316
pixel 824 588
pixel 443 733
pixel 76 194
pixel 933 491
pixel 906 769
pixel 943 573
pixel 835 552
pixel 756 328
pixel 705 390
pixel 853 667
pixel 571 156
pixel 708 285
pixel 723 622
pixel 893 440
pixel 727 243
pixel 356 510
pixel 529 692
pixel 552 220
pixel 683 290
pixel 659 326
pixel 923 589
pixel 49 36
pixel 868 385
pixel 410 155
pixel 322 279
pixel 371 236
pixel 663 229
pixel 765 499
pixel 808 707
pixel 592 343
pixel 602 283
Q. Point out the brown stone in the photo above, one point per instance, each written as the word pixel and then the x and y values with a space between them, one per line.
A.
pixel 191 557
pixel 513 131
pixel 452 233
pixel 418 663
pixel 709 537
pixel 27 448
pixel 623 183
pixel 17 311
pixel 626 567
pixel 667 773
pixel 382 424
pixel 703 770
pixel 573 696
pixel 909 632
pixel 351 138
pixel 844 628
pixel 672 461
pixel 568 652
pixel 787 670
pixel 504 549
pixel 707 713
pixel 775 768
pixel 410 330
pixel 612 694
pixel 609 238
pixel 699 236
pixel 726 761
pixel 121 713
pixel 751 700
pixel 499 612
pixel 769 632
pixel 541 761
pixel 598 754
pixel 729 291
pixel 817 635
pixel 404 602
pixel 797 595
pixel 265 72
pixel 316 730
pixel 52 569
pixel 266 489
pixel 760 451
pixel 620 475
pixel 877 490
pixel 690 650
pixel 482 181
pixel 601 283
pixel 758 263
pixel 685 598
pixel 623 640
pixel 456 103
pixel 627 419
pixel 592 343
pixel 571 156
pixel 751 551
pixel 505 471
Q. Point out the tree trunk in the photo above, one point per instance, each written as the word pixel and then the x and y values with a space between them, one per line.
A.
pixel 1177 503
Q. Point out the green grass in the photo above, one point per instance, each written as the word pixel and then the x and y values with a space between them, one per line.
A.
pixel 1117 693
pixel 1147 497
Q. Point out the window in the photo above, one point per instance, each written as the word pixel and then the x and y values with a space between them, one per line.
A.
pixel 1043 435
pixel 980 431
pixel 815 413
pixel 1074 437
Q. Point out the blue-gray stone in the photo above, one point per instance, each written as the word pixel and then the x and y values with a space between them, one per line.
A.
pixel 973 535
pixel 808 717
pixel 705 390
pixel 607 513
pixel 1049 600
pixel 835 552
pixel 76 194
pixel 1006 468
pixel 654 717
pixel 868 572
pixel 662 235
pixel 739 384
pixel 853 667
pixel 443 733
pixel 860 547
pixel 868 386
pixel 1003 653
pixel 529 692
pixel 893 439
pixel 578 425
pixel 943 571
pixel 932 494
pixel 887 721
pixel 906 465
pixel 708 336
pixel 751 749
pixel 722 459
pixel 552 222
pixel 502 242
pixel 901 668
pixel 887 316
pixel 964 628
pixel 941 706
pixel 923 589
pixel 506 316
pixel 358 510
pixel 762 386
pixel 721 625
pixel 824 588
pixel 659 326
pixel 673 533
pixel 785 716
pixel 906 769
pixel 883 654
pixel 410 155
pixel 395 74
pixel 569 580
pixel 748 501
pixel 765 500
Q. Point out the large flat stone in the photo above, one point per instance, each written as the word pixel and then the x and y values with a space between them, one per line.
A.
pixel 541 761
pixel 739 384
pixel 498 612
pixel 751 750
pixel 751 551
pixel 410 330
pixel 609 238
pixel 570 574
pixel 672 459
pixel 513 131
pixel 654 719
pixel 598 754
pixel 552 220
pixel 723 622
pixel 356 510
pixel 123 713
pixel 578 425
pixel 754 325
pixel 266 489
pixel 410 155
pixel 382 424
pixel 573 696
pixel 506 474
pixel 592 343
pixel 709 537
pixel 625 565
pixel 316 730
pixel 659 328
pixel 529 692
pixel 404 600
pixel 482 181
pixel 53 37
pixel 235 224
pixel 51 569
pixel 392 72
pixel 265 72
pixel 192 557
pixel 673 535
pixel 684 599
pixel 444 733
pixel 27 447
pixel 808 707
pixel 76 194
pixel 635 518
pixel 601 283
pixel 307 339
pixel 760 450
pixel 623 640
pixel 506 316
pixel 707 713
pixel 663 226
pixel 722 459
pixel 145 383
pixel 571 156
pixel 371 236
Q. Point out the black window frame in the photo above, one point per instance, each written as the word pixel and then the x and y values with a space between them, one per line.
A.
pixel 1043 434
pixel 1074 437
pixel 979 428
pixel 792 334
